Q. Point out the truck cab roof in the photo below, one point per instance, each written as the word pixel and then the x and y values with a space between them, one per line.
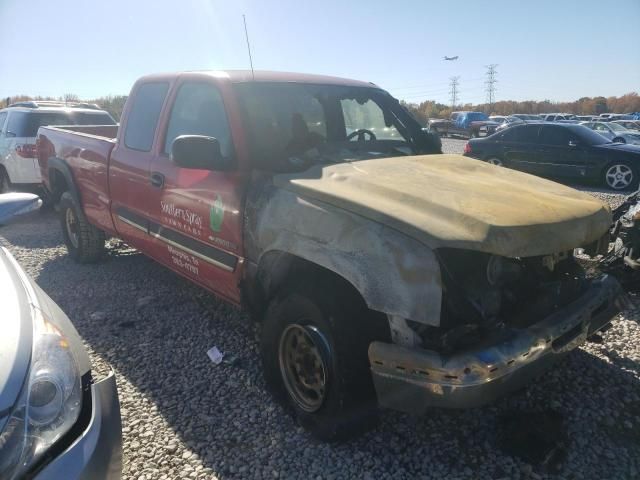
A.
pixel 245 76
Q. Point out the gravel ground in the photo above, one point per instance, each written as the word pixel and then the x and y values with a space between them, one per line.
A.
pixel 184 417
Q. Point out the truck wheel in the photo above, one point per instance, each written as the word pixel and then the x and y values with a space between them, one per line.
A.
pixel 85 243
pixel 5 185
pixel 314 344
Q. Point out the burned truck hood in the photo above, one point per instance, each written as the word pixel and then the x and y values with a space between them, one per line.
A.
pixel 457 202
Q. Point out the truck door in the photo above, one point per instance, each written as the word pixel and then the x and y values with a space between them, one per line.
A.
pixel 196 219
pixel 129 166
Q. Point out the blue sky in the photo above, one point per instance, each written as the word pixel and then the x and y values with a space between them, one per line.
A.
pixel 545 49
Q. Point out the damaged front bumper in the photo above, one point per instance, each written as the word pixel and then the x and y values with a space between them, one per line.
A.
pixel 411 380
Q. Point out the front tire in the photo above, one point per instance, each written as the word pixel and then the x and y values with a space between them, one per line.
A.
pixel 620 176
pixel 314 344
pixel 85 243
pixel 619 140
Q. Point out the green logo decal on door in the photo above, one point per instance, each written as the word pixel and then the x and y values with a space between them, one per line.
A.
pixel 216 214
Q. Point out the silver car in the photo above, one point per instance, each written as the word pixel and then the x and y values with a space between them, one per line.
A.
pixel 614 132
pixel 56 420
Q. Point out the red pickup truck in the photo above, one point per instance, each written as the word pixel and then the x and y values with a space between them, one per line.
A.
pixel 378 268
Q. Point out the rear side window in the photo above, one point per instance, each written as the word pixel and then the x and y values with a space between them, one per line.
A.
pixel 144 114
pixel 36 120
pixel 198 110
pixel 555 136
pixel 528 133
pixel 16 124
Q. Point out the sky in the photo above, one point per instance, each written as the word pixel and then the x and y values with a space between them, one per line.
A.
pixel 545 49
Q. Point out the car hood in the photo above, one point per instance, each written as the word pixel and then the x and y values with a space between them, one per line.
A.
pixel 453 201
pixel 17 333
pixel 623 147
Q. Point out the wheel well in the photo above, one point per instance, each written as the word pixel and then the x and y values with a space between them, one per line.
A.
pixel 278 269
pixel 58 184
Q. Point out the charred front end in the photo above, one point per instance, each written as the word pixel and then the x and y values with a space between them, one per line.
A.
pixel 503 321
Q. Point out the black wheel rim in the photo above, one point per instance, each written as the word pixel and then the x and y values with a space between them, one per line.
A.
pixel 304 358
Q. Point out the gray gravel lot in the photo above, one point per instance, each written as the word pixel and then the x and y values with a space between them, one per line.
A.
pixel 184 417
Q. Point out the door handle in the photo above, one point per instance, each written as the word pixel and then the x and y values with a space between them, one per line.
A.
pixel 157 179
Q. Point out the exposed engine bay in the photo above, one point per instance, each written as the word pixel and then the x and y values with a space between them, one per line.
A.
pixel 623 258
pixel 483 292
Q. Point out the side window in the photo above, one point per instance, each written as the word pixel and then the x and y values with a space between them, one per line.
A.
pixel 199 110
pixel 367 116
pixel 528 134
pixel 143 117
pixel 3 117
pixel 510 134
pixel 554 136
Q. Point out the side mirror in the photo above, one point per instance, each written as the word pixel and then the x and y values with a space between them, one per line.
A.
pixel 198 152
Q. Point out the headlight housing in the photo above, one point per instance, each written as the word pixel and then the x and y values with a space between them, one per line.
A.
pixel 50 401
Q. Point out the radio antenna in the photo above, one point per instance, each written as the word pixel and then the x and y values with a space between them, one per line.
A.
pixel 246 34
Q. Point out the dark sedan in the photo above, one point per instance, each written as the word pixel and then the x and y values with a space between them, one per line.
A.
pixel 566 151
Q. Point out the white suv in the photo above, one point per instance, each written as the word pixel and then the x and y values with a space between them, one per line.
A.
pixel 19 125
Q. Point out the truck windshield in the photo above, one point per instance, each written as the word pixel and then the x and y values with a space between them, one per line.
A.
pixel 477 116
pixel 294 125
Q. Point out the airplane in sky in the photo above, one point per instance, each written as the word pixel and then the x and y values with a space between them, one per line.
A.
pixel 450 58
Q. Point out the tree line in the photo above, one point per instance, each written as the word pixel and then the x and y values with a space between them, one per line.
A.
pixel 584 106
pixel 429 108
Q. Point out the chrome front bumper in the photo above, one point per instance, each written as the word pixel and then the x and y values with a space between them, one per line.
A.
pixel 411 380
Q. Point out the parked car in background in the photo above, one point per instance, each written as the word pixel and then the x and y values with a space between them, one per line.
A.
pixel 560 117
pixel 629 124
pixel 615 132
pixel 518 119
pixel 585 118
pixel 56 420
pixel 19 125
pixel 604 117
pixel 527 117
pixel 465 124
pixel 566 151
pixel 437 292
pixel 499 119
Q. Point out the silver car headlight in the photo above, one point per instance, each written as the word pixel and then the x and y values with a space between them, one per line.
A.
pixel 49 404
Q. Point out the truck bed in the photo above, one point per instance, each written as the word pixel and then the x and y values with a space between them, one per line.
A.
pixel 86 150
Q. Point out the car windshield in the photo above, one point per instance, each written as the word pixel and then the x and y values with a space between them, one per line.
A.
pixel 590 137
pixel 294 125
pixel 617 128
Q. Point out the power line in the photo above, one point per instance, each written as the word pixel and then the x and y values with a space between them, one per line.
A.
pixel 491 83
pixel 454 91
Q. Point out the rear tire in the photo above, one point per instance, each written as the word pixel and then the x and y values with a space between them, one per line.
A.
pixel 314 347
pixel 619 140
pixel 620 176
pixel 495 161
pixel 5 184
pixel 85 243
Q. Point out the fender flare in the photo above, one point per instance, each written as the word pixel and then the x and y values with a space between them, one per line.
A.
pixel 56 164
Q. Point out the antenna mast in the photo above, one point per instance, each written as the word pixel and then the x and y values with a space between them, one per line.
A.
pixel 246 34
